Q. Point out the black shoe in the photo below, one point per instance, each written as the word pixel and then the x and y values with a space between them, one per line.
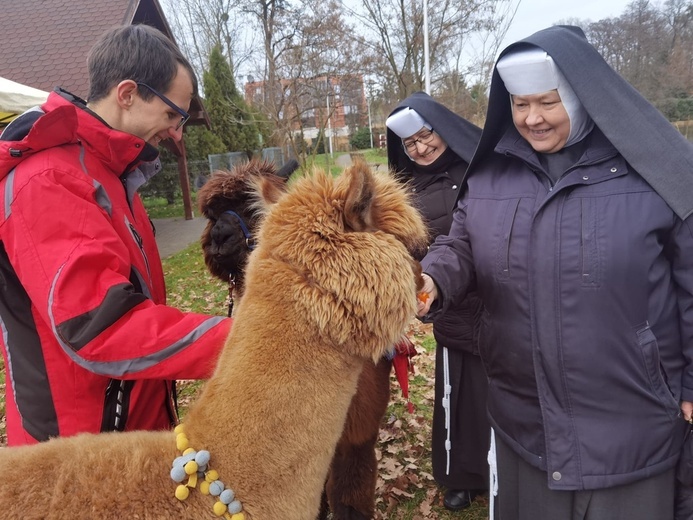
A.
pixel 458 499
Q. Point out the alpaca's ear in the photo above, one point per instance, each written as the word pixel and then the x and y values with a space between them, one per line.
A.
pixel 358 203
pixel 267 192
pixel 285 171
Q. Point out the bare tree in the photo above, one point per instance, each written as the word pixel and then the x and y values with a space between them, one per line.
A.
pixel 396 28
pixel 463 88
pixel 652 47
pixel 311 65
pixel 201 25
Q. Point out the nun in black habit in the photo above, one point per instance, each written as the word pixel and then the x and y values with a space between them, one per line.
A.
pixel 575 230
pixel 429 147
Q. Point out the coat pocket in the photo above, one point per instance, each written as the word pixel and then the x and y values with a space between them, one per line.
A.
pixel 650 355
pixel 504 240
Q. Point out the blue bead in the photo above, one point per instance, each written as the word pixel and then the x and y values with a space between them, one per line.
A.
pixel 184 459
pixel 227 496
pixel 202 458
pixel 178 473
pixel 235 507
pixel 216 487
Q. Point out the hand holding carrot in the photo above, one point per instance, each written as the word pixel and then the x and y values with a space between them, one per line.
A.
pixel 426 296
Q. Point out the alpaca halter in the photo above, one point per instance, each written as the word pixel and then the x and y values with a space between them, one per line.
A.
pixel 194 465
pixel 249 241
pixel 250 244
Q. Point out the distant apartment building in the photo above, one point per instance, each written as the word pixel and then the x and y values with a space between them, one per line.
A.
pixel 336 104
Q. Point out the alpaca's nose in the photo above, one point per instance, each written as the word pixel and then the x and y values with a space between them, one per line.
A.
pixel 223 230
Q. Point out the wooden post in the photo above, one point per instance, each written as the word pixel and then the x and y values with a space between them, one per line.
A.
pixel 184 180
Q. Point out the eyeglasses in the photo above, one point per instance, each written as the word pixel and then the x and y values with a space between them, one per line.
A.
pixel 425 137
pixel 184 115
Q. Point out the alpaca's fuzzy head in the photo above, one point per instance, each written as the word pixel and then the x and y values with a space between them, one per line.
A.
pixel 224 242
pixel 342 248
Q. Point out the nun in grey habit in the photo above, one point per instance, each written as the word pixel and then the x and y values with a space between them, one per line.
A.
pixel 575 231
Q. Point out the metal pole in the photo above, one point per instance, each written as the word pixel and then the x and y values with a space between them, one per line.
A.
pixel 329 123
pixel 426 67
pixel 370 126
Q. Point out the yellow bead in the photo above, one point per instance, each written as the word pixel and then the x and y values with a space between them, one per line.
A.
pixel 179 428
pixel 219 508
pixel 189 450
pixel 204 487
pixel 238 516
pixel 190 467
pixel 182 492
pixel 211 475
pixel 192 480
pixel 181 442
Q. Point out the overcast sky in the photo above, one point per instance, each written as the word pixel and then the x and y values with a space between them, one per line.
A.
pixel 533 15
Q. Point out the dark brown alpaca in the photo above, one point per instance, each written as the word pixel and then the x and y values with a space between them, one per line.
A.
pixel 227 241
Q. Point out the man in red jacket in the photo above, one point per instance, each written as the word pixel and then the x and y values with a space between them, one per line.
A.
pixel 88 341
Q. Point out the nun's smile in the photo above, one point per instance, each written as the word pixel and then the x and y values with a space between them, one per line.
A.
pixel 542 120
pixel 424 147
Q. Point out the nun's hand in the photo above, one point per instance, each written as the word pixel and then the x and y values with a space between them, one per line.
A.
pixel 426 296
pixel 687 409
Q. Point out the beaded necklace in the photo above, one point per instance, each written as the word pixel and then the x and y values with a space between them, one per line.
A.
pixel 191 467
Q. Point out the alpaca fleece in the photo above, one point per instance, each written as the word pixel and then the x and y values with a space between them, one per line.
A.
pixel 351 481
pixel 330 286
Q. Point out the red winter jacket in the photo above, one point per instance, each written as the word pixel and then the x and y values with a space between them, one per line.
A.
pixel 88 342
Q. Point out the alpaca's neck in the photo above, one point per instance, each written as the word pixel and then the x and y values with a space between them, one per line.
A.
pixel 272 413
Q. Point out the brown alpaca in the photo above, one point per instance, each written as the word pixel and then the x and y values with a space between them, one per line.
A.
pixel 351 482
pixel 342 290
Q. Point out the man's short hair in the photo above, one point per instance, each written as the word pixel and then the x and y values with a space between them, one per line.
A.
pixel 138 52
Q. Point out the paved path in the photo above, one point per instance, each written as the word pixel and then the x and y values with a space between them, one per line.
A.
pixel 175 234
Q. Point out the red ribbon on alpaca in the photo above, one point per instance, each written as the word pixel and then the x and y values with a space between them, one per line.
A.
pixel 404 351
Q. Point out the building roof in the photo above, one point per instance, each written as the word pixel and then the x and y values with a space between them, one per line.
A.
pixel 45 42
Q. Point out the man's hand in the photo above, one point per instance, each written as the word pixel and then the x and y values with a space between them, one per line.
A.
pixel 427 295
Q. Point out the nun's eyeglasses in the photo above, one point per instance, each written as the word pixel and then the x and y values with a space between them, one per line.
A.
pixel 425 137
pixel 184 116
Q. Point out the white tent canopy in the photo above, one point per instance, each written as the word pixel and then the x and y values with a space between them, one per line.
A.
pixel 15 98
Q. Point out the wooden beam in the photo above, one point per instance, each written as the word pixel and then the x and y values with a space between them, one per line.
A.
pixel 184 180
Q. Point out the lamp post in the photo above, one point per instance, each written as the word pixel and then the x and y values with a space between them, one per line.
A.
pixel 329 123
pixel 426 66
pixel 370 126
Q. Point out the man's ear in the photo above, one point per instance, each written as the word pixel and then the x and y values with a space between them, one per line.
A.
pixel 126 91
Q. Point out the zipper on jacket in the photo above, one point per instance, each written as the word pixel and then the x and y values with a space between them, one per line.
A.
pixel 140 244
pixel 172 402
pixel 116 405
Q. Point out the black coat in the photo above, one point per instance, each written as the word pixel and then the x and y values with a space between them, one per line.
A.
pixel 435 194
pixel 435 189
pixel 587 289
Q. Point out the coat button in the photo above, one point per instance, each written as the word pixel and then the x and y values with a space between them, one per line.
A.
pixel 614 169
pixel 556 475
pixel 585 178
pixel 454 186
pixel 413 190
